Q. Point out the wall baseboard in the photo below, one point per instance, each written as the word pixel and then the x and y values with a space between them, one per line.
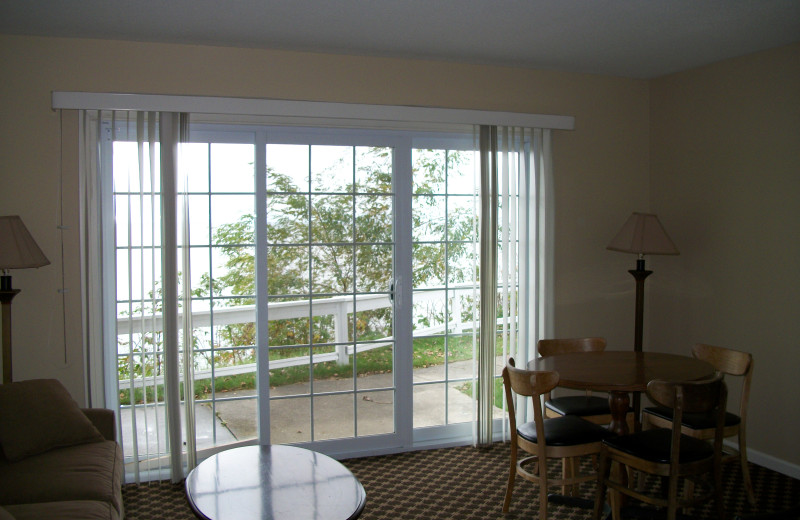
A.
pixel 773 463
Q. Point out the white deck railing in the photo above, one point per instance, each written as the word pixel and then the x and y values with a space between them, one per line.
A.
pixel 338 306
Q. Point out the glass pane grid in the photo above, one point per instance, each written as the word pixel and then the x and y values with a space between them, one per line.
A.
pixel 444 240
pixel 329 211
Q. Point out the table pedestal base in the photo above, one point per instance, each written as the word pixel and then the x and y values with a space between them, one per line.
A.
pixel 620 403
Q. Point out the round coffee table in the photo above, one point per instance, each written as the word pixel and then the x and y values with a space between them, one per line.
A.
pixel 274 482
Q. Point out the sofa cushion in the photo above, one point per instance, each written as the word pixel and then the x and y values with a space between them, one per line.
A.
pixel 67 510
pixel 5 514
pixel 90 471
pixel 39 415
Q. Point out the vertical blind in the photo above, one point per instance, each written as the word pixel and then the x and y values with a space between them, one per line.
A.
pixel 144 274
pixel 516 203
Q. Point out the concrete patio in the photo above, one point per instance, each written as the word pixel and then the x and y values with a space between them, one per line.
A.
pixel 235 420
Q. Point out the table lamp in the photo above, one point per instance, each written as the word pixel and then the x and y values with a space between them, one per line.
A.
pixel 642 234
pixel 18 250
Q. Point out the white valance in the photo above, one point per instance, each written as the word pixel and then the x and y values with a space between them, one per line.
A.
pixel 305 109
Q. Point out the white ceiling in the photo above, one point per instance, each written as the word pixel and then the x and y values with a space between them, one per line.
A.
pixel 631 38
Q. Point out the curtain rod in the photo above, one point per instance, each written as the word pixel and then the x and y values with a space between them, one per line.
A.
pixel 312 109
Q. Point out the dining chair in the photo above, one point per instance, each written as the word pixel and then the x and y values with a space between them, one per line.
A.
pixel 668 453
pixel 566 437
pixel 731 363
pixel 593 408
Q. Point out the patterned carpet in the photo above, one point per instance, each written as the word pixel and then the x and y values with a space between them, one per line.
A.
pixel 469 484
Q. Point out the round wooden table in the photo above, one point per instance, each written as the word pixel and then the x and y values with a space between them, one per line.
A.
pixel 274 482
pixel 621 372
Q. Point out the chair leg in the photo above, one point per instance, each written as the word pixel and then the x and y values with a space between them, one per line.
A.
pixel 645 421
pixel 512 473
pixel 543 491
pixel 566 473
pixel 689 489
pixel 672 497
pixel 574 471
pixel 718 495
pixel 569 469
pixel 616 499
pixel 639 481
pixel 602 475
pixel 688 492
pixel 664 487
pixel 748 484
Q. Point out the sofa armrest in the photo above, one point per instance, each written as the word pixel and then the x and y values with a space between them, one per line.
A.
pixel 103 420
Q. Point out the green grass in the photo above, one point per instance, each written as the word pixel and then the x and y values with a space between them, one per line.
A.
pixel 499 396
pixel 427 352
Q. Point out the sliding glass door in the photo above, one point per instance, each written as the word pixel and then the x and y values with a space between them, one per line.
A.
pixel 445 286
pixel 330 262
pixel 332 288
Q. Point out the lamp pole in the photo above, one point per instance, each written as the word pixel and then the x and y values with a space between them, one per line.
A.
pixel 639 274
pixel 5 300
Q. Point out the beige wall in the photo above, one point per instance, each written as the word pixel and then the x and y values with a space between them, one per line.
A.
pixel 602 164
pixel 725 174
pixel 602 175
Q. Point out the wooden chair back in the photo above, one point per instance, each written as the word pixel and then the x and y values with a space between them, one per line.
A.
pixel 687 396
pixel 705 397
pixel 551 347
pixel 528 383
pixel 730 362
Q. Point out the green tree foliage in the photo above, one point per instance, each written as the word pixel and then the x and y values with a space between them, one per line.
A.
pixel 351 230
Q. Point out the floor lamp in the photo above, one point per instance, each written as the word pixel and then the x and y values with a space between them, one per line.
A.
pixel 642 234
pixel 18 250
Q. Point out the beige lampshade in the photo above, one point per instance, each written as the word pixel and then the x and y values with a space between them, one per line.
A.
pixel 643 234
pixel 18 250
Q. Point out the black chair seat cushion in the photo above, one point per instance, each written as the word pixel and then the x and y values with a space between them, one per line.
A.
pixel 695 421
pixel 655 446
pixel 579 405
pixel 568 430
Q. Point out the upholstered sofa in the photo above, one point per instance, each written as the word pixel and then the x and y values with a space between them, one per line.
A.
pixel 57 461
